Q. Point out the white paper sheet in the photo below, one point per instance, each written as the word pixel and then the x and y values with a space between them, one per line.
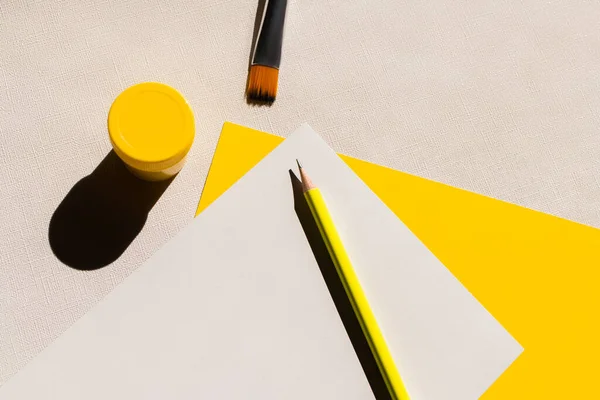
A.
pixel 235 307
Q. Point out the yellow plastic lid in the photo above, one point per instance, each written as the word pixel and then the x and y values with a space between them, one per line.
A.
pixel 151 126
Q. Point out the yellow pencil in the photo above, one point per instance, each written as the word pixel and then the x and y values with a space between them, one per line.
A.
pixel 361 307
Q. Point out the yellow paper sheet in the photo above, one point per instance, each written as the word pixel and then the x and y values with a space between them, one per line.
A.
pixel 539 275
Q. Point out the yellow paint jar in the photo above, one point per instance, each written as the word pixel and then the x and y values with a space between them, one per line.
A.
pixel 151 128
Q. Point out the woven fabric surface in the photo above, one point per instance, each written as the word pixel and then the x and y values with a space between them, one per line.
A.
pixel 497 97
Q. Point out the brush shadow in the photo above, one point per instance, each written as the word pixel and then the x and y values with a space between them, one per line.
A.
pixel 260 10
pixel 338 294
pixel 101 215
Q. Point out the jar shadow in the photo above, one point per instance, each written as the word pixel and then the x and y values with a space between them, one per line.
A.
pixel 102 215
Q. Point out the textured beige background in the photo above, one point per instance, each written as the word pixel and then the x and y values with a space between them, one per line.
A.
pixel 498 97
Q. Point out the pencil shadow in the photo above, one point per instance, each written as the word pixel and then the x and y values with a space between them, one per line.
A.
pixel 338 294
pixel 260 10
pixel 101 215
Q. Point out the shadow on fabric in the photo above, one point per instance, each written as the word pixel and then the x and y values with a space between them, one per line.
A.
pixel 337 292
pixel 102 215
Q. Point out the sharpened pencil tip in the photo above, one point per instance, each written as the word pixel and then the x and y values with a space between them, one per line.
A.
pixel 306 182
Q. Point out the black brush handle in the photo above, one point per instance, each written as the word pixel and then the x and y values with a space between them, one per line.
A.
pixel 268 48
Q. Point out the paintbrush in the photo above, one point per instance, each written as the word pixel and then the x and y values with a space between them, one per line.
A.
pixel 264 70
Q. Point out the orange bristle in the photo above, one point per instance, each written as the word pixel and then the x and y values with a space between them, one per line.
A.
pixel 262 83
